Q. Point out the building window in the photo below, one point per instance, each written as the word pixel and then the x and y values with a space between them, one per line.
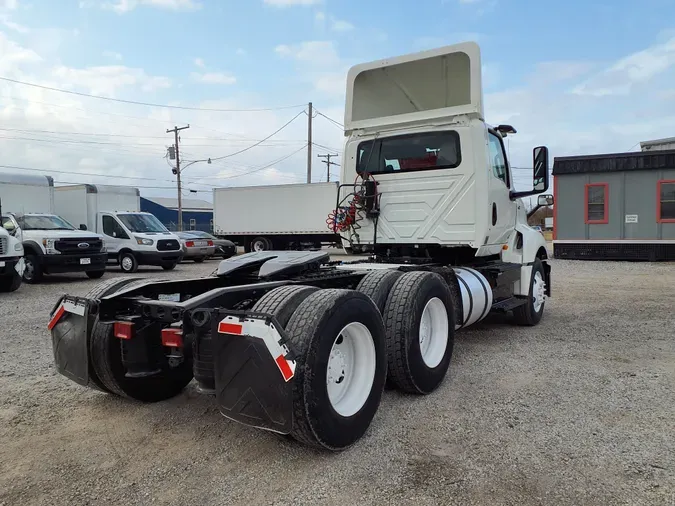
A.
pixel 665 201
pixel 597 203
pixel 193 224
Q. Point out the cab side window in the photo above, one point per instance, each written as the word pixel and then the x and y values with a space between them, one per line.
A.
pixel 8 224
pixel 112 229
pixel 497 158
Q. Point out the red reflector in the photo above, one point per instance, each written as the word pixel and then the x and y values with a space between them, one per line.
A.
pixel 210 243
pixel 123 330
pixel 230 328
pixel 172 338
pixel 57 316
pixel 285 369
pixel 190 244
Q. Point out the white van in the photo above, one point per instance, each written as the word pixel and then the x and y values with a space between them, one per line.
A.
pixel 11 260
pixel 132 237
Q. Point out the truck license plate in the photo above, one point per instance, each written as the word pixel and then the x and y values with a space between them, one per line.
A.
pixel 2 263
pixel 85 261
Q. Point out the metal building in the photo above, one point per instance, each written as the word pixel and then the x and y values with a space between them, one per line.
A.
pixel 197 214
pixel 615 206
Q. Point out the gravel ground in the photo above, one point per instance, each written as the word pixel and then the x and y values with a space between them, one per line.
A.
pixel 578 410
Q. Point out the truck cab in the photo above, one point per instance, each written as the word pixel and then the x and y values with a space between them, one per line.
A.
pixel 52 245
pixel 138 238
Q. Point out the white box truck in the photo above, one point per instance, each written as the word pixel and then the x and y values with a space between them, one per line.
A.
pixel 289 216
pixel 51 245
pixel 132 237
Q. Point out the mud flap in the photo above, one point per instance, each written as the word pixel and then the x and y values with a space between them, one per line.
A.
pixel 253 371
pixel 69 326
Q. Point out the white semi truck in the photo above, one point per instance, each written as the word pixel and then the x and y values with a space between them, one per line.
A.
pixel 132 237
pixel 288 216
pixel 51 244
pixel 297 344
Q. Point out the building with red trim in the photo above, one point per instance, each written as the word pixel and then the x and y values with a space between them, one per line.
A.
pixel 618 206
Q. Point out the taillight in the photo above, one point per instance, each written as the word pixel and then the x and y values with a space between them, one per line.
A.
pixel 172 337
pixel 210 243
pixel 190 244
pixel 123 330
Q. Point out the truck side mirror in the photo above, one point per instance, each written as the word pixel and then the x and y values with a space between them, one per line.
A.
pixel 545 200
pixel 540 170
pixel 83 226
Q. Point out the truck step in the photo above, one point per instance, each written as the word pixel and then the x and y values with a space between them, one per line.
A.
pixel 508 304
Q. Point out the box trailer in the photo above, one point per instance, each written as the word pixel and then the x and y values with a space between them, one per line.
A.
pixel 289 216
pixel 132 237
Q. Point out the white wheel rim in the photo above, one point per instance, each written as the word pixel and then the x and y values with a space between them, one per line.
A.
pixel 351 369
pixel 258 246
pixel 538 291
pixel 126 263
pixel 433 333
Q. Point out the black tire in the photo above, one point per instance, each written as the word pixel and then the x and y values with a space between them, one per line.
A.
pixel 526 314
pixel 263 242
pixel 283 301
pixel 198 260
pixel 312 330
pixel 402 315
pixel 32 272
pixel 377 285
pixel 10 283
pixel 128 262
pixel 107 361
pixel 103 289
pixel 95 274
pixel 170 266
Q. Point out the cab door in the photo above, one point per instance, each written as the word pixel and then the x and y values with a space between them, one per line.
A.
pixel 115 235
pixel 502 210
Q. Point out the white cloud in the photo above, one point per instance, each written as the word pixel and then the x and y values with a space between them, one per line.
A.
pixel 240 51
pixel 214 78
pixel 9 4
pixel 315 52
pixel 113 55
pixel 340 25
pixel 124 6
pixel 127 141
pixel 320 16
pixel 291 3
pixel 199 62
pixel 634 69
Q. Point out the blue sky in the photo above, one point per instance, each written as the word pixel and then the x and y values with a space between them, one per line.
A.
pixel 578 76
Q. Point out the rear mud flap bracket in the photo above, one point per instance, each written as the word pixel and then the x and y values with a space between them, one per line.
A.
pixel 253 369
pixel 69 326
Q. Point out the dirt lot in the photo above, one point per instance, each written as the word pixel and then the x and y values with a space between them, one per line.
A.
pixel 579 410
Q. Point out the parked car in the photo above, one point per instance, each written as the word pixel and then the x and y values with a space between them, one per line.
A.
pixel 224 248
pixel 194 247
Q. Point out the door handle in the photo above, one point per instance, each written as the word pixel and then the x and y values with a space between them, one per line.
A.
pixel 494 214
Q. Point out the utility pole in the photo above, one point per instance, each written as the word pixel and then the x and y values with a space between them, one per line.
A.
pixel 328 164
pixel 175 131
pixel 309 143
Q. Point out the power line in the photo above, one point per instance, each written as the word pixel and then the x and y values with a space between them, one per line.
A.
pixel 337 123
pixel 147 104
pixel 15 167
pixel 258 169
pixel 261 141
pixel 102 134
pixel 326 147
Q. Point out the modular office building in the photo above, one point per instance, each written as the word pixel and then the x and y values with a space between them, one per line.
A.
pixel 615 206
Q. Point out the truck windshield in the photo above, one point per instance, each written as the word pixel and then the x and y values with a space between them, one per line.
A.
pixel 404 153
pixel 142 223
pixel 44 222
